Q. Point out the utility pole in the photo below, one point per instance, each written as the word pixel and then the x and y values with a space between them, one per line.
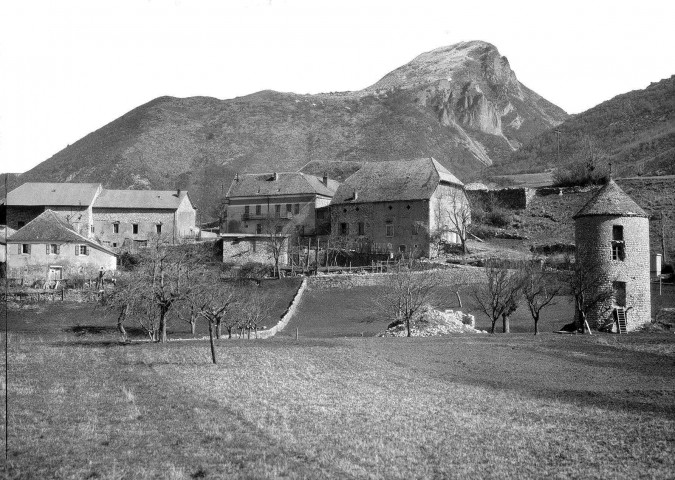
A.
pixel 663 241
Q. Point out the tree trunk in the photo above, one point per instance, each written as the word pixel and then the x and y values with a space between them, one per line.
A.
pixel 193 326
pixel 229 333
pixel 219 329
pixel 536 325
pixel 506 327
pixel 407 326
pixel 213 346
pixel 459 299
pixel 162 324
pixel 492 328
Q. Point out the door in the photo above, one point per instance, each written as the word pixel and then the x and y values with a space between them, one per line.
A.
pixel 619 294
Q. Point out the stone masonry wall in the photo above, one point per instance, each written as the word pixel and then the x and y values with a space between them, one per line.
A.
pixel 147 220
pixel 375 216
pixel 511 198
pixel 244 250
pixel 593 235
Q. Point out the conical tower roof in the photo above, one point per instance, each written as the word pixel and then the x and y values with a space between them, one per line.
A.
pixel 611 200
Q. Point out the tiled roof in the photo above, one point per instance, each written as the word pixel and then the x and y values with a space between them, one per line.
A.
pixel 154 199
pixel 49 227
pixel 286 183
pixel 395 180
pixel 53 194
pixel 611 200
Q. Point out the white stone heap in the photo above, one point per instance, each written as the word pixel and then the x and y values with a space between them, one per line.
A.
pixel 431 322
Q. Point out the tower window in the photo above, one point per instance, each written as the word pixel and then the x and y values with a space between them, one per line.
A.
pixel 617 233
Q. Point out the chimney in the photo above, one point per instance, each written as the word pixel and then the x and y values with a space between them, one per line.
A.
pixel 178 192
pixel 325 178
pixel 275 176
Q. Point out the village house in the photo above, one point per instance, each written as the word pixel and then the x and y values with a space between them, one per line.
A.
pixel 398 207
pixel 116 218
pixel 128 218
pixel 286 203
pixel 48 249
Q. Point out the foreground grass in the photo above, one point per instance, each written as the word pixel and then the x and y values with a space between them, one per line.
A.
pixel 464 406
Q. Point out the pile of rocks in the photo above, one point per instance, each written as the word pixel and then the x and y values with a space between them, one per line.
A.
pixel 431 322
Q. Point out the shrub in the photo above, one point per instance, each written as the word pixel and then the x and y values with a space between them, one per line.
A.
pixel 256 270
pixel 498 218
pixel 127 260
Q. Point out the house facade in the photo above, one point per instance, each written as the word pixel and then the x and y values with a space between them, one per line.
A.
pixel 115 218
pixel 282 203
pixel 128 218
pixel 398 207
pixel 49 249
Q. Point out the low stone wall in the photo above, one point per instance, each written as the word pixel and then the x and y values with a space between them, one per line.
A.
pixel 286 317
pixel 452 275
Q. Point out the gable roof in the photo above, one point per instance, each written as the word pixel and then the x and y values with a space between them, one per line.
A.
pixel 155 199
pixel 415 179
pixel 286 183
pixel 611 200
pixel 53 194
pixel 48 227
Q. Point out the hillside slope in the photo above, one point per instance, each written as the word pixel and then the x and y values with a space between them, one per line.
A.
pixel 461 104
pixel 635 131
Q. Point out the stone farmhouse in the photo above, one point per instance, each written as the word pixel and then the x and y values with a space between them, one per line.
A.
pixel 49 249
pixel 398 206
pixel 116 218
pixel 281 203
pixel 612 237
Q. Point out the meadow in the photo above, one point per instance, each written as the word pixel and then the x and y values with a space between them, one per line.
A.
pixel 82 405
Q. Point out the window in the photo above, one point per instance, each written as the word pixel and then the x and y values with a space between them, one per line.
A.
pixel 415 229
pixel 52 249
pixel 254 246
pixel 277 229
pixel 389 229
pixel 81 250
pixel 618 245
pixel 362 228
pixel 289 208
pixel 344 228
pixel 114 244
pixel 92 229
pixel 116 228
pixel 296 208
pixel 258 228
pixel 24 248
pixel 247 210
pixel 277 210
pixel 158 228
pixel 134 228
pixel 258 210
pixel 401 248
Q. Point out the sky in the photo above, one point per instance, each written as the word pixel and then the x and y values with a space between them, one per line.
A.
pixel 69 67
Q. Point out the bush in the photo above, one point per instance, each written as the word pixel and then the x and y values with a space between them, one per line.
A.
pixel 498 218
pixel 128 260
pixel 256 270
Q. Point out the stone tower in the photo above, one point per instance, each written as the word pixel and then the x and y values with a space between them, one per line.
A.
pixel 612 236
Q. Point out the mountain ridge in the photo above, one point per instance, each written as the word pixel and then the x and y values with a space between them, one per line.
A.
pixel 198 143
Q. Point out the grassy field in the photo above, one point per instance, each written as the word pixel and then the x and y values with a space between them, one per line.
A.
pixel 81 405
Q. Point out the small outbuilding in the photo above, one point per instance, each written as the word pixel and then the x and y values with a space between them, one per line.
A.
pixel 612 236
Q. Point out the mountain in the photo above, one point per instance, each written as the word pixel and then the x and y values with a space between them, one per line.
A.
pixel 460 104
pixel 635 131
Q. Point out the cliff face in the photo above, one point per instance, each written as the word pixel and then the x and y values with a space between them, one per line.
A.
pixel 460 104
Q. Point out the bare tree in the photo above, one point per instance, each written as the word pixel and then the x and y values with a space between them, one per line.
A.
pixel 407 291
pixel 453 216
pixel 254 308
pixel 588 285
pixel 277 232
pixel 499 295
pixel 539 289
